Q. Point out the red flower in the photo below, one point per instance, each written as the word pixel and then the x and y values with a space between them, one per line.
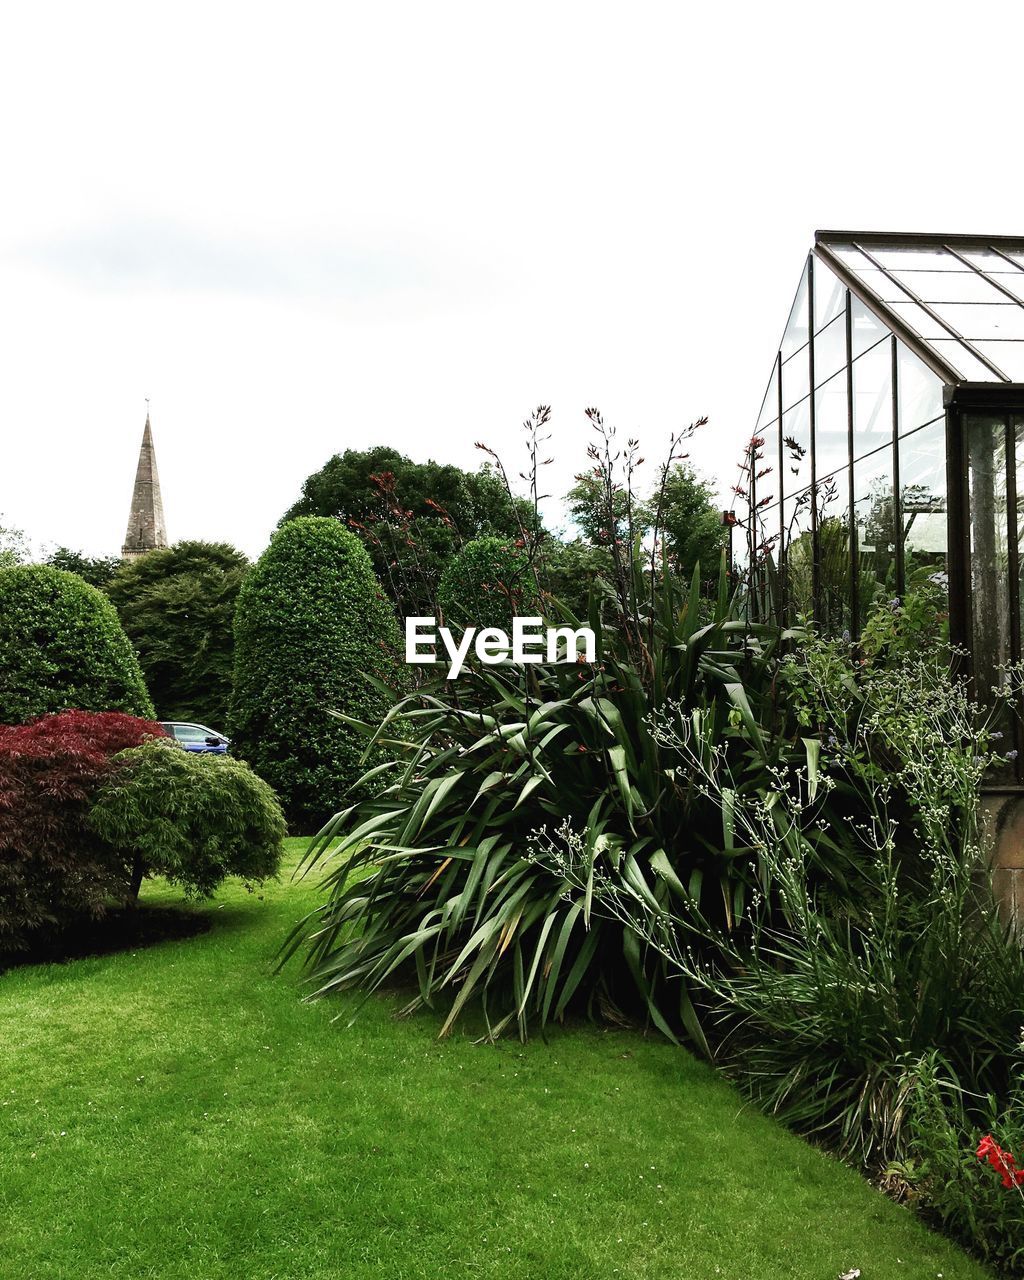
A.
pixel 1001 1161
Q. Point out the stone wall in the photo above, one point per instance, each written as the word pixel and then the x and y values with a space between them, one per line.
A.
pixel 1003 817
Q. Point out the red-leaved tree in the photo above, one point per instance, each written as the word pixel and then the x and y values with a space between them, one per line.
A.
pixel 52 868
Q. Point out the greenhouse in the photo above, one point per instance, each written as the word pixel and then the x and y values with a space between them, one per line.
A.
pixel 889 448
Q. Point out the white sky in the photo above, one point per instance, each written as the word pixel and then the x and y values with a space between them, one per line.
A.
pixel 302 228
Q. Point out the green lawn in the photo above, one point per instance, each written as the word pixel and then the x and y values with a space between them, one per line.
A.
pixel 177 1112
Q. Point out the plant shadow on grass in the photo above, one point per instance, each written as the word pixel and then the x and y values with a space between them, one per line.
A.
pixel 123 929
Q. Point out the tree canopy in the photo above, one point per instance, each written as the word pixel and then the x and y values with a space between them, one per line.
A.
pixel 689 521
pixel 96 570
pixel 177 605
pixel 412 517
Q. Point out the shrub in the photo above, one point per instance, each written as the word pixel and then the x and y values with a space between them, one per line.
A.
pixel 62 646
pixel 313 630
pixel 192 818
pixel 839 985
pixel 486 584
pixel 52 866
pixel 453 892
pixel 177 606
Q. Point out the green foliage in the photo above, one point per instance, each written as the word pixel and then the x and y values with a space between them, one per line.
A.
pixel 96 570
pixel 683 509
pixel 572 571
pixel 691 522
pixel 193 818
pixel 896 629
pixel 177 605
pixel 588 503
pixel 841 985
pixel 61 646
pixel 313 630
pixel 486 584
pixel 943 1175
pixel 14 548
pixel 412 517
pixel 454 892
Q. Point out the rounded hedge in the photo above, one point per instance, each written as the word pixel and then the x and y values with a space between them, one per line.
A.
pixel 62 646
pixel 192 818
pixel 486 584
pixel 312 624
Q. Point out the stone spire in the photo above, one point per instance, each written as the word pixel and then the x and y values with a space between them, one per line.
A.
pixel 146 522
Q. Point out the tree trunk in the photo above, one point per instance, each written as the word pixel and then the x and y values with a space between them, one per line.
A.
pixel 135 884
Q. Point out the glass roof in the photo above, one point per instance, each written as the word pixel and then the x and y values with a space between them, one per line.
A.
pixel 956 301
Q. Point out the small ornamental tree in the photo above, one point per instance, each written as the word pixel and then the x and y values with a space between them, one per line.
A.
pixel 312 630
pixel 192 818
pixel 62 646
pixel 52 865
pixel 487 584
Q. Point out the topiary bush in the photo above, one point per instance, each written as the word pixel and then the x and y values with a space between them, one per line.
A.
pixel 311 628
pixel 192 818
pixel 62 646
pixel 53 867
pixel 486 584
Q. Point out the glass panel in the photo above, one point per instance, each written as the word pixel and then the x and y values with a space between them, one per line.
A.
pixel 922 258
pixel 867 328
pixel 796 327
pixel 831 433
pixel 872 399
pixel 852 257
pixel 920 391
pixel 982 321
pixel 919 320
pixel 832 455
pixel 830 349
pixel 969 368
pixel 770 404
pixel 949 286
pixel 990 575
pixel 880 284
pixel 796 451
pixel 1018 533
pixel 1015 283
pixel 796 377
pixel 799 571
pixel 875 532
pixel 829 296
pixel 986 259
pixel 1009 356
pixel 925 542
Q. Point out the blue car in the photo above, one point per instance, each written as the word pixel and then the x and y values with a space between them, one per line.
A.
pixel 195 737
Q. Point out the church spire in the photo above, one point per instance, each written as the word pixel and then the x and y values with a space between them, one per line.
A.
pixel 146 522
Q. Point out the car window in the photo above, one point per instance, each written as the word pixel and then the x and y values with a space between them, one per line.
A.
pixel 190 733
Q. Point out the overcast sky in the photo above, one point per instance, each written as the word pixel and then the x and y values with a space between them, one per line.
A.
pixel 304 228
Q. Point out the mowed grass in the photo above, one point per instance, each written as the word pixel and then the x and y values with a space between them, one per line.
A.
pixel 179 1112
